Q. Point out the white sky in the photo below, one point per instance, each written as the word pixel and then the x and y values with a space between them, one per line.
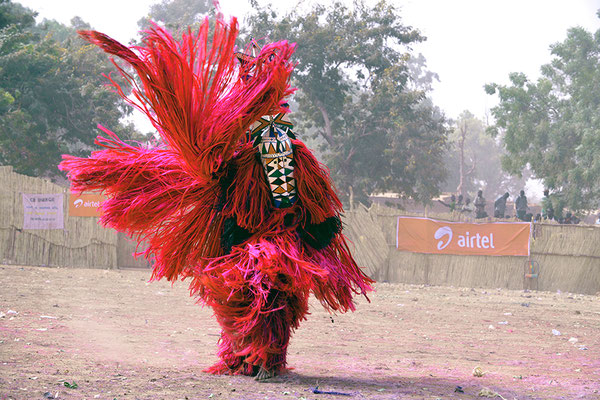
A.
pixel 474 42
pixel 469 42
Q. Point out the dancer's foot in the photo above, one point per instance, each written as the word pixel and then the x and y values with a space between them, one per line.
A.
pixel 264 374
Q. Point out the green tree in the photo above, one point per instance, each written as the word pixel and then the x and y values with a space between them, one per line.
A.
pixel 553 125
pixel 356 92
pixel 52 94
pixel 474 162
pixel 177 15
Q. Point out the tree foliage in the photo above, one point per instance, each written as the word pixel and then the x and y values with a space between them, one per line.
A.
pixel 356 92
pixel 482 166
pixel 553 124
pixel 52 94
pixel 177 15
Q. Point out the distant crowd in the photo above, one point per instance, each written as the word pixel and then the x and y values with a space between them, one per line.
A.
pixel 477 208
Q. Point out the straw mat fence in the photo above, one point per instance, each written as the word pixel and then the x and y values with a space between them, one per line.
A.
pixel 82 242
pixel 568 256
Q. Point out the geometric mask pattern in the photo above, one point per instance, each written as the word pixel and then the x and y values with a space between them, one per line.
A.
pixel 272 139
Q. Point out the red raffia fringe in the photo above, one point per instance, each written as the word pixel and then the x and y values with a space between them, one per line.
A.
pixel 176 197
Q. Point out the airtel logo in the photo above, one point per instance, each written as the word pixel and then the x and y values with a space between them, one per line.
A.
pixel 87 204
pixel 440 233
pixel 467 240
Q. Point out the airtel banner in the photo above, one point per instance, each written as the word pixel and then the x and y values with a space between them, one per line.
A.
pixel 424 235
pixel 85 204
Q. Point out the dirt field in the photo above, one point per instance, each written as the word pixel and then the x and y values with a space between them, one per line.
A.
pixel 118 337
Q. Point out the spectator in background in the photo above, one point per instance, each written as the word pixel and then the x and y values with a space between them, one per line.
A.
pixel 459 202
pixel 521 205
pixel 480 205
pixel 598 219
pixel 452 204
pixel 500 206
pixel 568 218
pixel 468 207
pixel 547 209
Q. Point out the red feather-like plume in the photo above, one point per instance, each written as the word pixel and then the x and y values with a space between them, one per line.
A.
pixel 201 114
pixel 194 95
pixel 180 197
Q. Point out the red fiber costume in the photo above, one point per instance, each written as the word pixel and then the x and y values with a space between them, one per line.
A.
pixel 202 201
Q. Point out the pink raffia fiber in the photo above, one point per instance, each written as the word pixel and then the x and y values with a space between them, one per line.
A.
pixel 192 93
pixel 176 197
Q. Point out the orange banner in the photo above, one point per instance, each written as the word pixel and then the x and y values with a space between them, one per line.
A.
pixel 85 205
pixel 424 235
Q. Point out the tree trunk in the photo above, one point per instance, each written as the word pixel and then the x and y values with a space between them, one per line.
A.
pixel 326 131
pixel 351 199
pixel 461 166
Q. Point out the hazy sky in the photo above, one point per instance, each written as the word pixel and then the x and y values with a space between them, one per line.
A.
pixel 469 42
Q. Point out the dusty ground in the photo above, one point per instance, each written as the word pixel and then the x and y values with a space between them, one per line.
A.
pixel 118 337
